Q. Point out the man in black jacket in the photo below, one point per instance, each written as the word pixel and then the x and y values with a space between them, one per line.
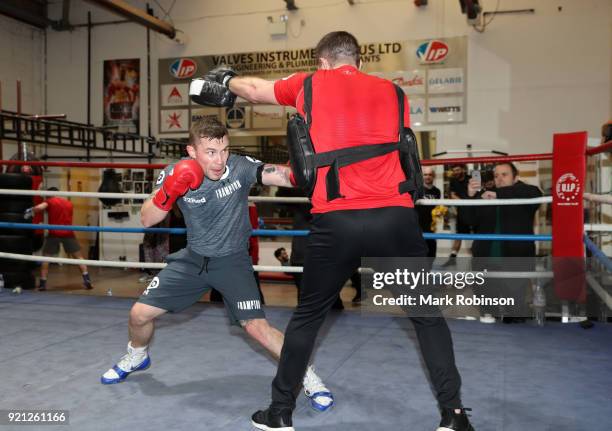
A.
pixel 508 219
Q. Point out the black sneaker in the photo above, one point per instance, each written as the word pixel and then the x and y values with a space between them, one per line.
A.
pixel 267 420
pixel 452 421
pixel 87 282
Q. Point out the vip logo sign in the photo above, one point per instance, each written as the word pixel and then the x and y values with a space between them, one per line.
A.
pixel 434 51
pixel 183 68
pixel 567 187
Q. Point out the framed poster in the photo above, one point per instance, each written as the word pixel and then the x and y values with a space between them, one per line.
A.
pixel 122 95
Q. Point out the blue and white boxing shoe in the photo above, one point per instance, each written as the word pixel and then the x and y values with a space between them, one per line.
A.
pixel 136 359
pixel 321 398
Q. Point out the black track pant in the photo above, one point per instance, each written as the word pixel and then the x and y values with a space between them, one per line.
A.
pixel 336 244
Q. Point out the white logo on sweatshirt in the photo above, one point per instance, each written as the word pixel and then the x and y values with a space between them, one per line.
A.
pixel 194 200
pixel 228 190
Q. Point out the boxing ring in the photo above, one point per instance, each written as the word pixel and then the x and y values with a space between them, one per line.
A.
pixel 207 374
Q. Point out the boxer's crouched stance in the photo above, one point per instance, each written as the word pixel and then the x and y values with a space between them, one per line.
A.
pixel 211 188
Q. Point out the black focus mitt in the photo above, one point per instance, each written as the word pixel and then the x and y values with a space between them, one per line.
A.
pixel 222 75
pixel 204 91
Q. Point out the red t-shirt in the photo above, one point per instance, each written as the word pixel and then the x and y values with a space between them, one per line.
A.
pixel 59 211
pixel 351 108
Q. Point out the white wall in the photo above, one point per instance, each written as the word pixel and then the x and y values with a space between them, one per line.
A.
pixel 21 58
pixel 528 75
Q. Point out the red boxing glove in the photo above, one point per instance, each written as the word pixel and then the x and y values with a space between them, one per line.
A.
pixel 186 175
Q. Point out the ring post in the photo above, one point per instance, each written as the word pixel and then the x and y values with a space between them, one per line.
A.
pixel 568 181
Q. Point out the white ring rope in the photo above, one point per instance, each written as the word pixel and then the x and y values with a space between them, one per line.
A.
pixel 603 294
pixel 19 192
pixel 116 264
pixel 483 202
pixel 260 268
pixel 602 199
pixel 593 227
pixel 430 202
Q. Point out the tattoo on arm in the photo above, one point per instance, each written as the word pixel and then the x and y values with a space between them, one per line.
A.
pixel 276 175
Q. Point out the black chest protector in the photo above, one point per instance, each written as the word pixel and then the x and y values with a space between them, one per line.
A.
pixel 305 161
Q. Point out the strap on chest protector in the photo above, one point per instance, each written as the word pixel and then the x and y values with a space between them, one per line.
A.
pixel 305 161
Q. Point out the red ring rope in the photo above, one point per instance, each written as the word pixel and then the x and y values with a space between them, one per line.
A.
pixel 460 160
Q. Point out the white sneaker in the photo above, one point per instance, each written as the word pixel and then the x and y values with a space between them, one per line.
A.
pixel 321 398
pixel 487 318
pixel 132 361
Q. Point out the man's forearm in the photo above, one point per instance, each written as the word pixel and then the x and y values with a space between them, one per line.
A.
pixel 276 175
pixel 255 90
pixel 40 207
pixel 150 215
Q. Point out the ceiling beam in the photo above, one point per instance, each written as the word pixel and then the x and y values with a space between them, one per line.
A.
pixel 132 13
pixel 32 12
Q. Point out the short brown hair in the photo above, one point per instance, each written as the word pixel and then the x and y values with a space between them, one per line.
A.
pixel 206 127
pixel 337 45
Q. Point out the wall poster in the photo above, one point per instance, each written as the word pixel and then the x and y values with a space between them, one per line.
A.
pixel 122 95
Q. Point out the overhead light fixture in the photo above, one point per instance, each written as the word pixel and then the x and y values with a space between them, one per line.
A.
pixel 472 9
pixel 291 5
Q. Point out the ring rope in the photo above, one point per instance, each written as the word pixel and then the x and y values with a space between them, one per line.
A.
pixel 263 232
pixel 601 292
pixel 602 198
pixel 260 268
pixel 607 146
pixel 430 202
pixel 448 161
pixel 601 257
pixel 125 264
pixel 598 227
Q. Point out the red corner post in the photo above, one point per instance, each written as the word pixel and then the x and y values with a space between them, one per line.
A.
pixel 569 170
